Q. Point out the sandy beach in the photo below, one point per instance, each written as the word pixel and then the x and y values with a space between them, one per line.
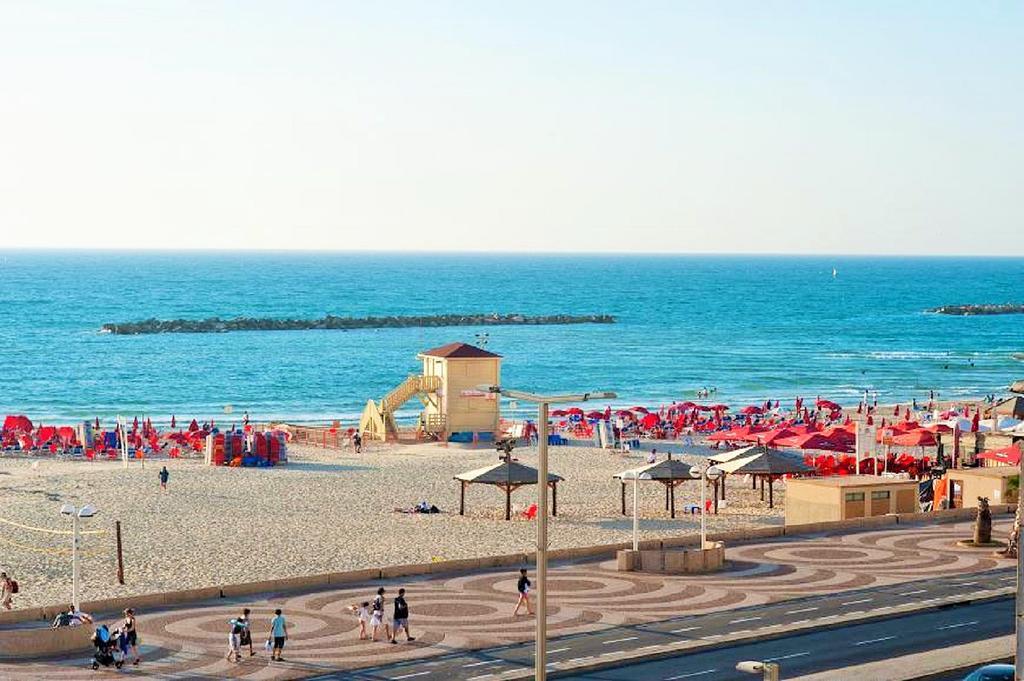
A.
pixel 324 511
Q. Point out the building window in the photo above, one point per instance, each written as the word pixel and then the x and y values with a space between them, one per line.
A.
pixel 879 495
pixel 855 496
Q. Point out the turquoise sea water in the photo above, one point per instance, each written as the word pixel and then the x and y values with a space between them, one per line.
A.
pixel 754 327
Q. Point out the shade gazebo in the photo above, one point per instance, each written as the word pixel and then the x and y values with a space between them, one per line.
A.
pixel 509 476
pixel 766 463
pixel 670 473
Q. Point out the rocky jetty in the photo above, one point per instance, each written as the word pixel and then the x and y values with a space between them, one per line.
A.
pixel 330 322
pixel 970 310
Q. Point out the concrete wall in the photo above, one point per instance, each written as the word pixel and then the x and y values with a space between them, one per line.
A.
pixel 39 642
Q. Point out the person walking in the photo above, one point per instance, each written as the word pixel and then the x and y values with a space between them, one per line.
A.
pixel 8 587
pixel 524 593
pixel 362 613
pixel 164 477
pixel 246 636
pixel 131 634
pixel 377 616
pixel 401 618
pixel 235 639
pixel 279 632
pixel 357 442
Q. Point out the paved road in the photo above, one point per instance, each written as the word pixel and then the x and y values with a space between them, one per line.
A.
pixel 833 649
pixel 823 650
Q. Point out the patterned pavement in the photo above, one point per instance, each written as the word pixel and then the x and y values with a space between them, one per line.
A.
pixel 463 611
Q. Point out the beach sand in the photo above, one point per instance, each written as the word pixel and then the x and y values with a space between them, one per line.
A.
pixel 324 511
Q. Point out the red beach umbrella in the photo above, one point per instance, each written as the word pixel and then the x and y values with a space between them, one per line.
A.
pixel 642 410
pixel 915 438
pixel 1006 455
pixel 751 410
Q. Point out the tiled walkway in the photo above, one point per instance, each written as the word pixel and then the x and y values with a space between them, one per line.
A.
pixel 474 610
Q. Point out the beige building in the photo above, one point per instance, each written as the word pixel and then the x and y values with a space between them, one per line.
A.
pixel 460 370
pixel 967 484
pixel 842 497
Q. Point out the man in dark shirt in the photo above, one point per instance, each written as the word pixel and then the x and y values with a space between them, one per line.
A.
pixel 401 618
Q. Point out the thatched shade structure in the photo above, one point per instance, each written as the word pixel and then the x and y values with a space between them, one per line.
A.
pixel 670 472
pixel 729 455
pixel 509 476
pixel 767 464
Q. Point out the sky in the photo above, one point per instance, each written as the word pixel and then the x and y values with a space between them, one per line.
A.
pixel 752 127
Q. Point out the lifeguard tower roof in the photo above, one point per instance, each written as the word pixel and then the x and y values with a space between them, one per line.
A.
pixel 458 351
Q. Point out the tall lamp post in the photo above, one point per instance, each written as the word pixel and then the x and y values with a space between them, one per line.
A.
pixel 70 511
pixel 543 402
pixel 636 476
pixel 706 475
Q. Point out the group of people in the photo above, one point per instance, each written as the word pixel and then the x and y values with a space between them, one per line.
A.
pixel 115 645
pixel 372 613
pixel 241 635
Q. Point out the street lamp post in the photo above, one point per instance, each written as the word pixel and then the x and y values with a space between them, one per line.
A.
pixel 709 473
pixel 86 511
pixel 636 476
pixel 543 402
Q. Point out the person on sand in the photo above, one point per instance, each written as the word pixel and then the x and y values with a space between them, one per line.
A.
pixel 377 616
pixel 362 612
pixel 524 593
pixel 653 456
pixel 131 634
pixel 8 587
pixel 401 618
pixel 164 477
pixel 357 442
pixel 279 632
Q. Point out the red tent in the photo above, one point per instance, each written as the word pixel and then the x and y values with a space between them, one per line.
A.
pixel 814 441
pixel 770 437
pixel 1007 455
pixel 744 434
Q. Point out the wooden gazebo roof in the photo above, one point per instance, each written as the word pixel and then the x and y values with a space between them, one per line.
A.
pixel 505 473
pixel 669 472
pixel 509 476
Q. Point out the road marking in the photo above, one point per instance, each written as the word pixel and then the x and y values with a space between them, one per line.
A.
pixel 713 636
pixel 799 621
pixel 793 612
pixel 967 583
pixel 874 640
pixel 653 645
pixel 744 619
pixel 620 640
pixel 408 676
pixel 482 676
pixel 557 650
pixel 691 674
pixel 577 659
pixel 862 600
pixel 961 624
pixel 479 664
pixel 679 631
pixel 913 593
pixel 787 657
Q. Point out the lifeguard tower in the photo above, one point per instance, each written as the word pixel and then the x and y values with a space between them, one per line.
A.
pixel 453 406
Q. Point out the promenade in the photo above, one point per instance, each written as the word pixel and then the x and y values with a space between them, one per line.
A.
pixel 457 612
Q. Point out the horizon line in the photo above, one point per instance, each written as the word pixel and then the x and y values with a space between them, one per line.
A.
pixel 472 252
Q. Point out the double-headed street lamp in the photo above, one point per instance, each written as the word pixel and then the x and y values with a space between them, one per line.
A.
pixel 705 476
pixel 87 511
pixel 543 402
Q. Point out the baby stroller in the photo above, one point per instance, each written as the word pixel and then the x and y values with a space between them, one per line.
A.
pixel 105 649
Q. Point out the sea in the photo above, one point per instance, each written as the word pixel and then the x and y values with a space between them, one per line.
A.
pixel 745 328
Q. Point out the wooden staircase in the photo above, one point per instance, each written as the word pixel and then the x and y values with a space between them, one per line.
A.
pixel 378 420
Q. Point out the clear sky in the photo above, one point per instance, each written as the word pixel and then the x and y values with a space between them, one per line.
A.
pixel 756 126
